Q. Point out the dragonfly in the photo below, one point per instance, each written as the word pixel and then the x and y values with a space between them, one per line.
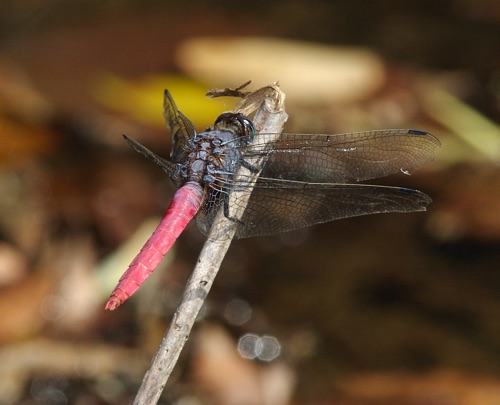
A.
pixel 305 179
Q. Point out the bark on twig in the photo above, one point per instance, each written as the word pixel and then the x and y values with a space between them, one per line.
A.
pixel 269 118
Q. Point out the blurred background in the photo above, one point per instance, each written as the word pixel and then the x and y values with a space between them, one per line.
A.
pixel 385 309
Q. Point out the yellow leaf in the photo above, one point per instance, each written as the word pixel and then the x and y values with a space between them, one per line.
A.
pixel 143 100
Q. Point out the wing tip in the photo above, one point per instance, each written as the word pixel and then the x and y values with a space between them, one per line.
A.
pixel 423 199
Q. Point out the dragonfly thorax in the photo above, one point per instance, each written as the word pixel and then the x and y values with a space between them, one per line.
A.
pixel 214 156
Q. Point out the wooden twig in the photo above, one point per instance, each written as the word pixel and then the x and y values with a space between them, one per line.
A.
pixel 269 118
pixel 229 92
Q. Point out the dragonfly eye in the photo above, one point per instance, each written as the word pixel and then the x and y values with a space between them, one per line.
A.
pixel 237 123
pixel 248 127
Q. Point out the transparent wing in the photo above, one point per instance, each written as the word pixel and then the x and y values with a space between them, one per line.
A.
pixel 181 128
pixel 341 158
pixel 303 180
pixel 278 206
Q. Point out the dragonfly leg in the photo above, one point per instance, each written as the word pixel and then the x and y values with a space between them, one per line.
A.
pixel 252 169
pixel 249 166
pixel 227 214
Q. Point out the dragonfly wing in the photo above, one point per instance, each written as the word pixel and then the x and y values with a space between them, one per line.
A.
pixel 167 166
pixel 181 128
pixel 344 157
pixel 281 206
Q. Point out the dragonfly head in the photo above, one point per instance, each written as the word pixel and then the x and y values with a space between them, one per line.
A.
pixel 238 124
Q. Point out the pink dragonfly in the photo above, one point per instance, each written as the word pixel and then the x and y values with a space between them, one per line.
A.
pixel 304 181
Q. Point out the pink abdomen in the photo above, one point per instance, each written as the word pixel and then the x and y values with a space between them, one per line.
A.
pixel 185 204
